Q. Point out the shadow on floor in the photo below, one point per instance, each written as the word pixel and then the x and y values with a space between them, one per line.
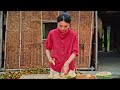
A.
pixel 109 61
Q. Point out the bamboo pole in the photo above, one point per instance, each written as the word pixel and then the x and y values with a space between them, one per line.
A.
pixel 6 38
pixel 39 13
pixel 20 38
pixel 1 34
pixel 41 39
pixel 96 36
pixel 80 53
pixel 91 36
pixel 78 36
pixel 48 21
pixel 58 13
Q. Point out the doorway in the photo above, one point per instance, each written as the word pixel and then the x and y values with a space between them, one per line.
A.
pixel 108 41
pixel 4 16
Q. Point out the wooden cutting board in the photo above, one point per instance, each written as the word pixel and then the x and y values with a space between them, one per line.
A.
pixel 34 76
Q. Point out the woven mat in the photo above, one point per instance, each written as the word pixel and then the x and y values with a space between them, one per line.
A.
pixel 34 76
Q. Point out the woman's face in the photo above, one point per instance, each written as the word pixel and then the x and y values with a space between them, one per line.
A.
pixel 63 26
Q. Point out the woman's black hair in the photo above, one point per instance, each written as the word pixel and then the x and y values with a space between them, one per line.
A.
pixel 64 16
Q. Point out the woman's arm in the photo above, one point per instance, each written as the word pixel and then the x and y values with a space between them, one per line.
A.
pixel 66 64
pixel 71 58
pixel 51 60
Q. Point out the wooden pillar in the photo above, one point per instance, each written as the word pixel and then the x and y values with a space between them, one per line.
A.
pixel 1 18
pixel 105 37
pixel 111 39
pixel 95 42
pixel 99 34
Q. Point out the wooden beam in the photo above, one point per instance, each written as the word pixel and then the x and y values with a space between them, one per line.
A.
pixel 112 11
pixel 1 24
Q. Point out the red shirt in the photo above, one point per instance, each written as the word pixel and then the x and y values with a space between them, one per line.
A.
pixel 62 46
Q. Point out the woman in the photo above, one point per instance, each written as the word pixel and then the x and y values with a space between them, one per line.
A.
pixel 62 46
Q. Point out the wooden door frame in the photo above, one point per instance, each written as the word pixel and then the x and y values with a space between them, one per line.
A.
pixel 96 31
pixel 1 34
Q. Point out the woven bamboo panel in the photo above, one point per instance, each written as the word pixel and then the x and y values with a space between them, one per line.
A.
pixel 74 20
pixel 12 40
pixel 13 20
pixel 45 59
pixel 85 38
pixel 49 15
pixel 31 30
pixel 74 25
pixel 12 50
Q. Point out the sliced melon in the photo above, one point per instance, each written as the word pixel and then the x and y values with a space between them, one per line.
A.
pixel 56 76
pixel 104 75
pixel 50 76
pixel 71 74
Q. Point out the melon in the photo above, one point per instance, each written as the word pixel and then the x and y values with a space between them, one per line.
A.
pixel 104 75
pixel 56 76
pixel 71 74
pixel 50 76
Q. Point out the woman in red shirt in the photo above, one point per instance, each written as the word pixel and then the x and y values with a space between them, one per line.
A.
pixel 62 46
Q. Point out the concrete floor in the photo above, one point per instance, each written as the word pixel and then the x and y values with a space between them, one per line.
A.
pixel 108 61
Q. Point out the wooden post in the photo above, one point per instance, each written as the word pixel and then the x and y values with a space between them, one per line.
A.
pixel 42 38
pixel 20 39
pixel 105 37
pixel 96 40
pixel 78 38
pixel 5 40
pixel 92 23
pixel 1 21
pixel 111 38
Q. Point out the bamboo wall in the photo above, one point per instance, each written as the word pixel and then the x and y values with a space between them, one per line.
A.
pixel 22 49
pixel 75 26
pixel 85 39
pixel 24 28
pixel 31 29
pixel 12 40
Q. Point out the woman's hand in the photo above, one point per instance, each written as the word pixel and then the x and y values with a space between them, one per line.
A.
pixel 65 67
pixel 52 60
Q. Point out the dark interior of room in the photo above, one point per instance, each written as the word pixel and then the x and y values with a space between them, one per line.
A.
pixel 109 59
pixel 112 19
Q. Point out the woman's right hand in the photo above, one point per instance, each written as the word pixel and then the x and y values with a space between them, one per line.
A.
pixel 52 60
